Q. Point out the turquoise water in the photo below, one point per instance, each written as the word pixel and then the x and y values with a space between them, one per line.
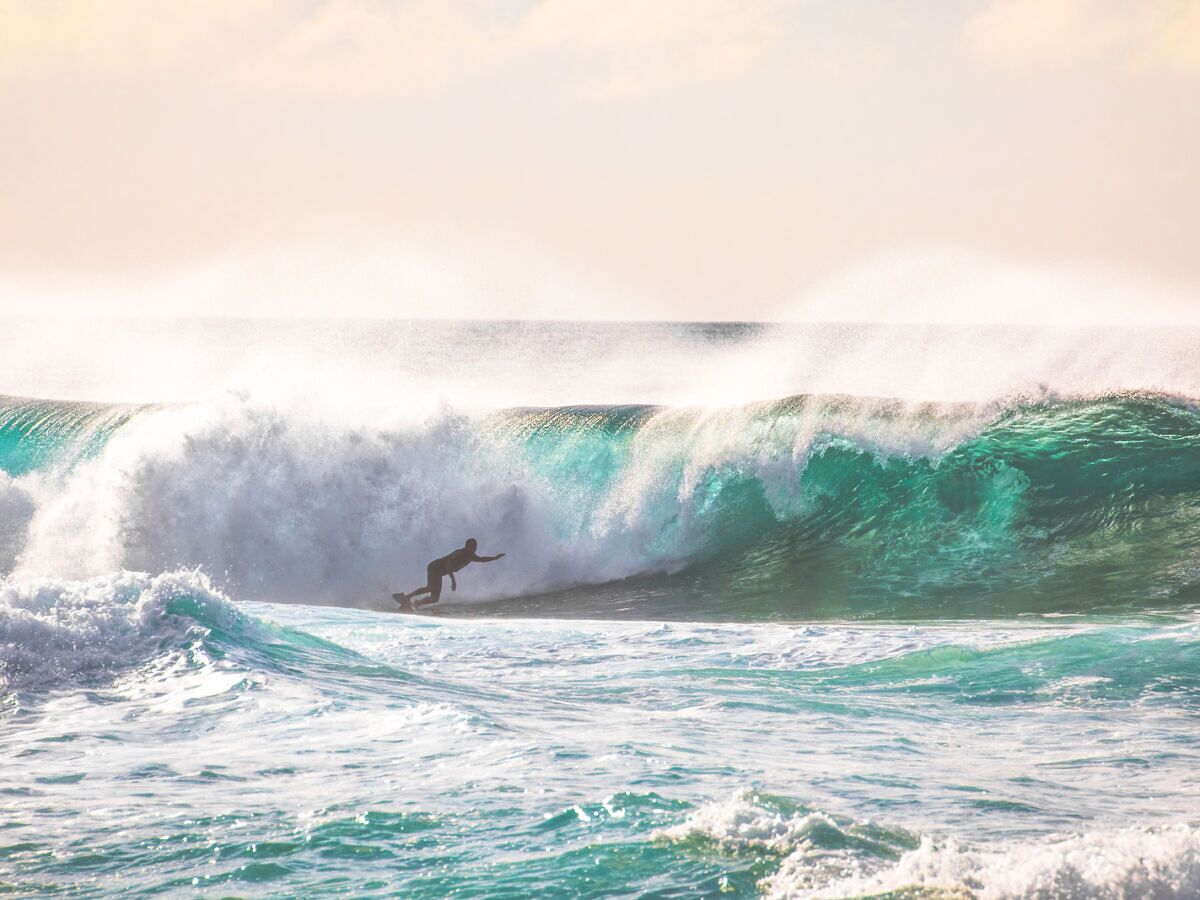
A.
pixel 368 753
pixel 821 646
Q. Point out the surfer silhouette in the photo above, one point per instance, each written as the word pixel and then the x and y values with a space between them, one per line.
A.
pixel 436 570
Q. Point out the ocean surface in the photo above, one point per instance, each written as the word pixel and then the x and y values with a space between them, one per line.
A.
pixel 786 611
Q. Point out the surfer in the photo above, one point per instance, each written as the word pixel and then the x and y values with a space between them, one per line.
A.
pixel 446 565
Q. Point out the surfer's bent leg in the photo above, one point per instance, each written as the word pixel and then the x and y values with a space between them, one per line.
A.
pixel 433 585
pixel 435 592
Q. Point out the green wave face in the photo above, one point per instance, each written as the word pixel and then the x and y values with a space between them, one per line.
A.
pixel 1080 506
pixel 36 434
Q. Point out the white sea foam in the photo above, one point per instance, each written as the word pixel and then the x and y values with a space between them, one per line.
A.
pixel 283 498
pixel 1105 864
pixel 279 503
pixel 54 631
pixel 742 821
pixel 16 511
pixel 816 847
pixel 1159 862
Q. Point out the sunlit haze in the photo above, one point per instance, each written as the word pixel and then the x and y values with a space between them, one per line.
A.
pixel 985 161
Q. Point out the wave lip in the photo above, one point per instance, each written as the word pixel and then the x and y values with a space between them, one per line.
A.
pixel 38 433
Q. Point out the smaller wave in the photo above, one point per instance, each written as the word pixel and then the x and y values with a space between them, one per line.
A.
pixel 825 856
pixel 55 632
pixel 1096 665
pixel 814 847
pixel 1147 861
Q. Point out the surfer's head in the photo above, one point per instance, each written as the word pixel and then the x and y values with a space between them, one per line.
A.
pixel 472 544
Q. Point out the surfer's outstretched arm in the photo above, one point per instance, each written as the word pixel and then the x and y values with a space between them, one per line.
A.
pixel 487 558
pixel 453 583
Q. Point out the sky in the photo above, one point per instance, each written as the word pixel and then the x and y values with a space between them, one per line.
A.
pixel 647 159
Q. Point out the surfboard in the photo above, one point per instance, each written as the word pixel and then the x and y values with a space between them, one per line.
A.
pixel 408 609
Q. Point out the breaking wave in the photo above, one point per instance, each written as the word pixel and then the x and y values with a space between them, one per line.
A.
pixel 806 506
pixel 55 633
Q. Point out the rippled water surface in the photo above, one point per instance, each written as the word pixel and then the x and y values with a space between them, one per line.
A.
pixel 270 749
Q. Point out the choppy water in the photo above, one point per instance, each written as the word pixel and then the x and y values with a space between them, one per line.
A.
pixel 824 645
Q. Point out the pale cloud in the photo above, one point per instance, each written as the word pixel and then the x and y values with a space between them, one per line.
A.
pixel 356 47
pixel 1062 33
pixel 1179 42
pixel 346 48
pixel 359 47
pixel 704 159
pixel 642 47
pixel 132 36
pixel 343 48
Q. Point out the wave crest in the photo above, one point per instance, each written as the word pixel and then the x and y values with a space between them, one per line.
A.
pixel 822 855
pixel 1151 861
pixel 55 632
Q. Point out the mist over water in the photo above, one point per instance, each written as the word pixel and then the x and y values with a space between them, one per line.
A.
pixel 791 610
pixel 402 365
